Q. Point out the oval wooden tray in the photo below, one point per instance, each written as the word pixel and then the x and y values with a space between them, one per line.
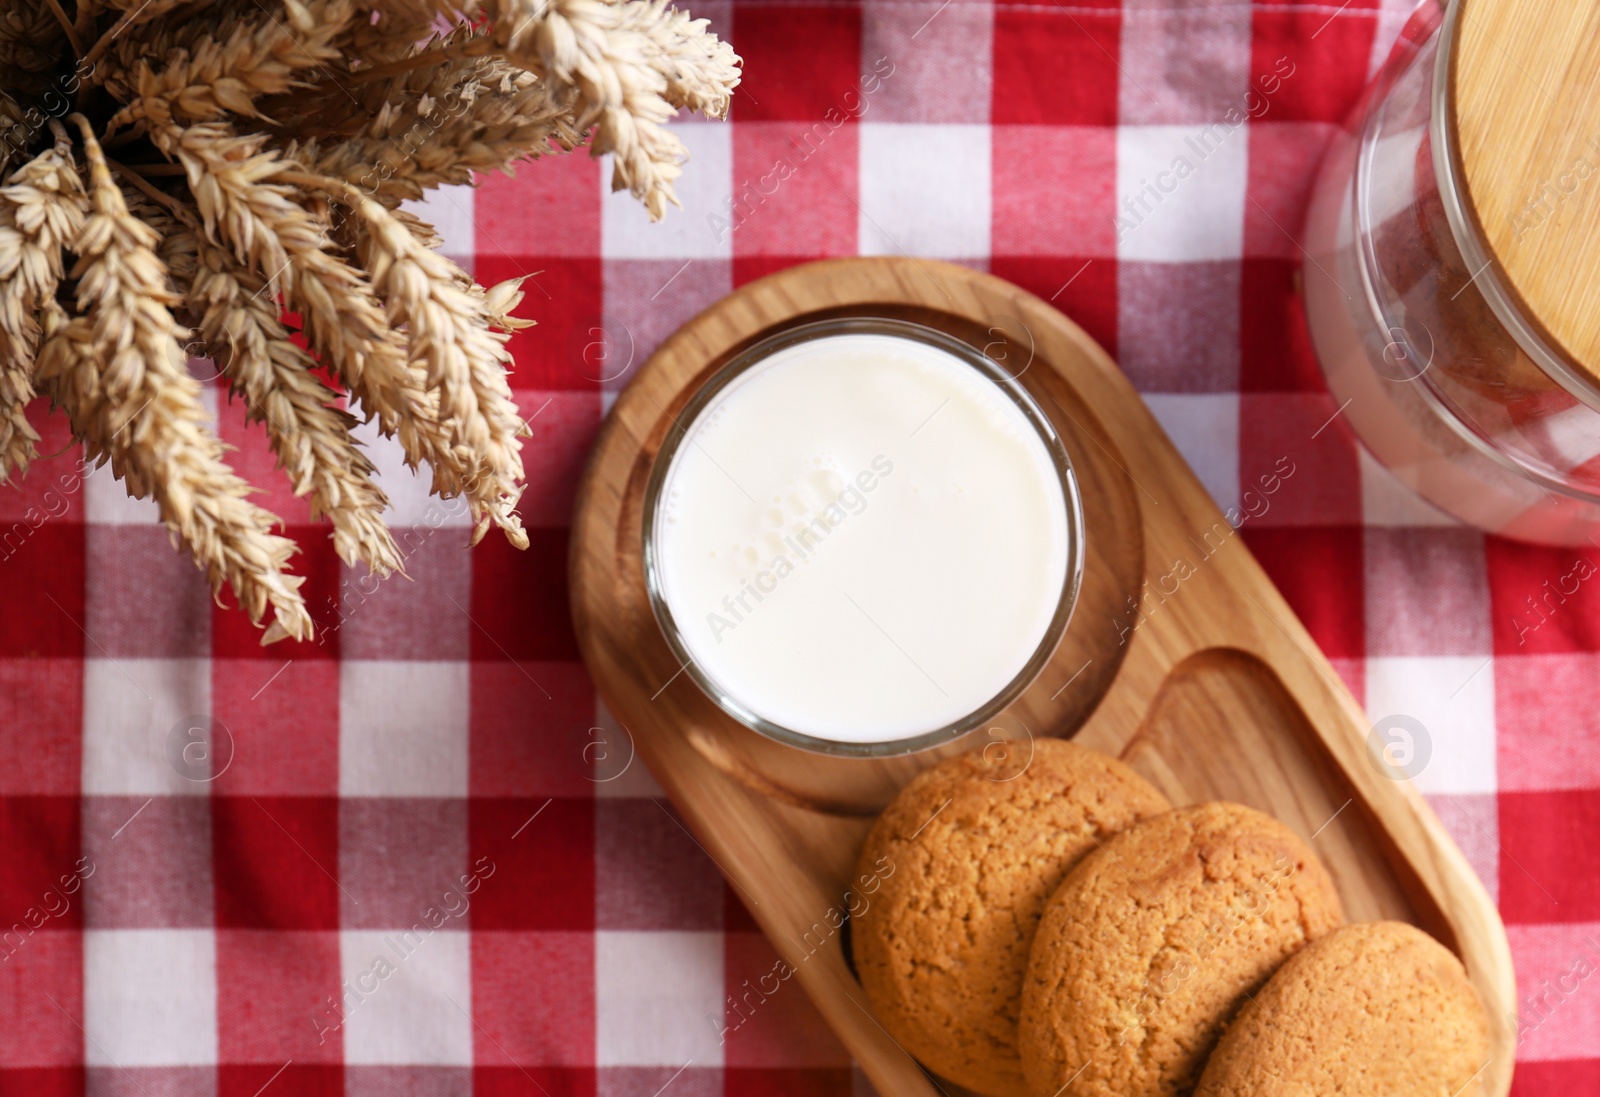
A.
pixel 1182 658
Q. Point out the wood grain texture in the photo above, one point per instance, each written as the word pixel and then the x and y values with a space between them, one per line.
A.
pixel 1208 685
pixel 1525 83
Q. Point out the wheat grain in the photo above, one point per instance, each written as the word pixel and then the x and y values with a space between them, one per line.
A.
pixel 500 301
pixel 241 327
pixel 41 208
pixel 631 65
pixel 448 336
pixel 472 115
pixel 243 333
pixel 119 371
pixel 261 57
pixel 237 190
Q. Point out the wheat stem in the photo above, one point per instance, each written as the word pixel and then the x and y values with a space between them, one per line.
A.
pixel 66 25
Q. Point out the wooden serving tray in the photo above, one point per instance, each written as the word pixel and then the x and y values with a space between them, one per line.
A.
pixel 1197 675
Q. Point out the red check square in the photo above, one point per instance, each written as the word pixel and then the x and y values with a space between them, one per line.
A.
pixel 519 599
pixel 274 862
pixel 252 458
pixel 564 425
pixel 785 1081
pixel 1542 739
pixel 562 295
pixel 799 59
pixel 278 998
pixel 41 726
pixel 1054 191
pixel 795 189
pixel 1056 67
pixel 1294 470
pixel 42 871
pixel 1562 1076
pixel 234 636
pixel 1543 600
pixel 545 851
pixel 1084 288
pixel 1317 569
pixel 300 1078
pixel 532 731
pixel 53 485
pixel 533 998
pixel 772 1026
pixel 1320 59
pixel 1283 165
pixel 1275 351
pixel 500 1079
pixel 44 614
pixel 67 1081
pixel 551 208
pixel 1549 863
pixel 283 721
pixel 38 1034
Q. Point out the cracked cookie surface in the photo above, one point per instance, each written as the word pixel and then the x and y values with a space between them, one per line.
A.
pixel 977 848
pixel 1377 1007
pixel 1152 943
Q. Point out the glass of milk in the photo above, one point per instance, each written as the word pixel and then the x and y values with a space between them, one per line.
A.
pixel 862 537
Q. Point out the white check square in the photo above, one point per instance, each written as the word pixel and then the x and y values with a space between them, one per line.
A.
pixel 658 998
pixel 698 230
pixel 925 190
pixel 1181 192
pixel 1205 428
pixel 1452 697
pixel 149 997
pixel 135 728
pixel 410 999
pixel 403 728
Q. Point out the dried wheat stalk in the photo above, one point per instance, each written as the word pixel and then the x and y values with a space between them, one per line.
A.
pixel 41 211
pixel 440 125
pixel 632 66
pixel 262 149
pixel 118 370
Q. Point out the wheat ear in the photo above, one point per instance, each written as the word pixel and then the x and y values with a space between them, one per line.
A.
pixel 442 125
pixel 260 57
pixel 242 194
pixel 632 65
pixel 448 339
pixel 41 210
pixel 242 329
pixel 119 371
pixel 311 440
pixel 233 181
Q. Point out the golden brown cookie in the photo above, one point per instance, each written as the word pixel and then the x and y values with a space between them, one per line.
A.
pixel 1152 943
pixel 1378 1007
pixel 967 856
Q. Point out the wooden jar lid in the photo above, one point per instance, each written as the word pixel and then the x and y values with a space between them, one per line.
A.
pixel 1525 84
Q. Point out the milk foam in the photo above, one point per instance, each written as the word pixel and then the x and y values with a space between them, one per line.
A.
pixel 862 539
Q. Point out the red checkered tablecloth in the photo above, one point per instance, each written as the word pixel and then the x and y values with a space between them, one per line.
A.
pixel 412 857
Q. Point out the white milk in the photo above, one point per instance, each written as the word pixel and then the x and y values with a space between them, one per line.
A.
pixel 862 539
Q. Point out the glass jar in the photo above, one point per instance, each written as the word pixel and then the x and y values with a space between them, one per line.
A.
pixel 1432 356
